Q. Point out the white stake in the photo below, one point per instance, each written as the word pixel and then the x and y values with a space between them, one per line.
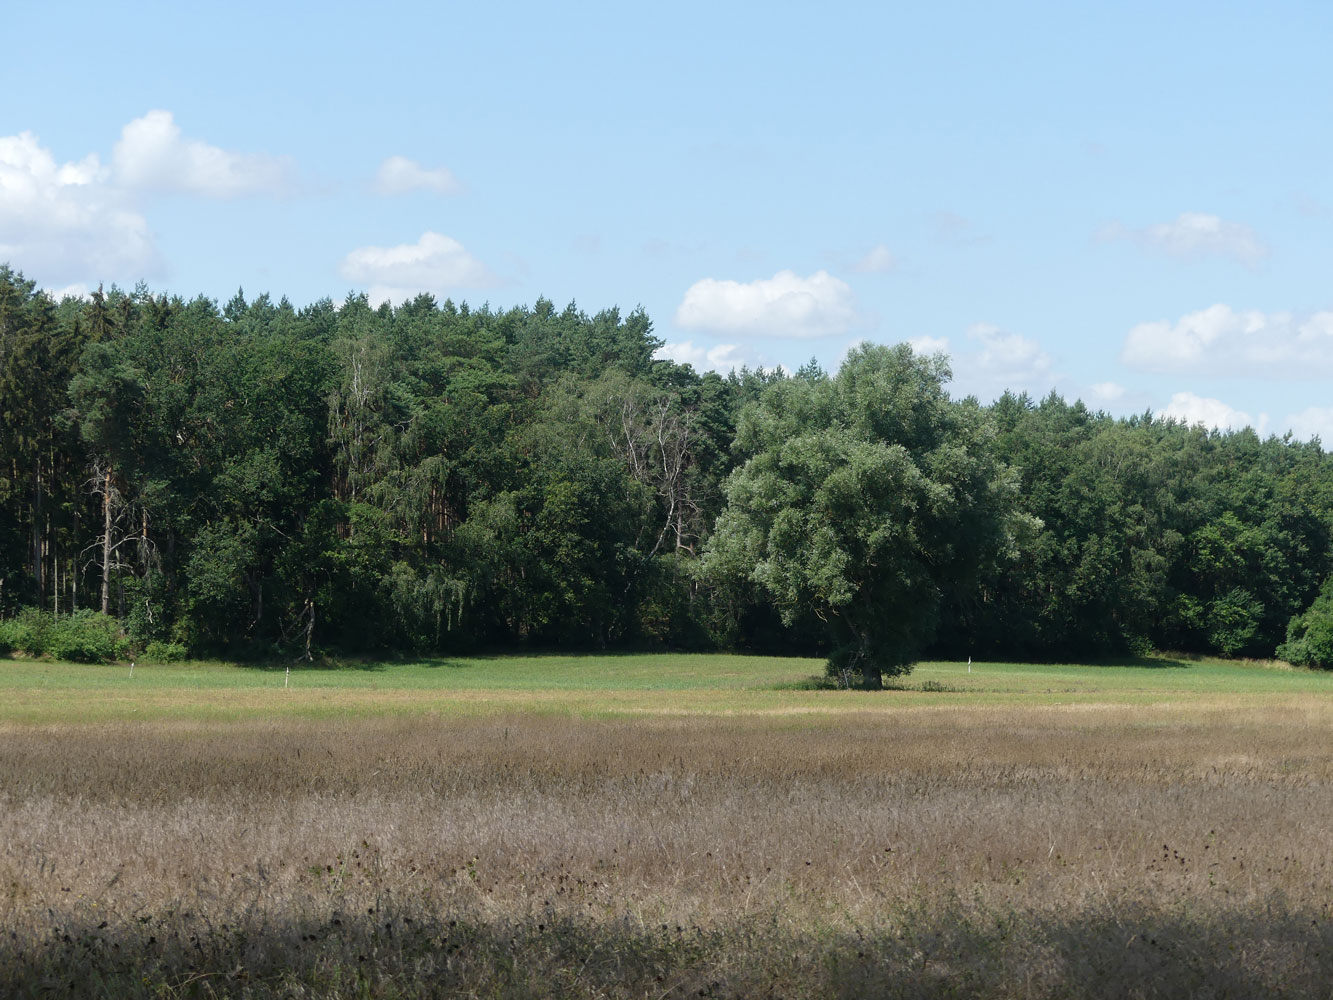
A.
pixel 286 681
pixel 969 664
pixel 131 669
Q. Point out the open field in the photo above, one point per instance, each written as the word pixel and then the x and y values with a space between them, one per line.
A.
pixel 665 827
pixel 35 693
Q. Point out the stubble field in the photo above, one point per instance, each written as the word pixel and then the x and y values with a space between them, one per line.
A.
pixel 665 827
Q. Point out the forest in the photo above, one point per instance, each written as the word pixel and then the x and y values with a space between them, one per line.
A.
pixel 254 479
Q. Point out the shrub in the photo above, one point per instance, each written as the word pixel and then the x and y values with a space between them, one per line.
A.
pixel 164 652
pixel 1310 634
pixel 26 632
pixel 86 636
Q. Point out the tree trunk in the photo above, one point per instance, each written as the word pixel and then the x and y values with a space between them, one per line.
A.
pixel 38 563
pixel 863 659
pixel 106 542
pixel 309 629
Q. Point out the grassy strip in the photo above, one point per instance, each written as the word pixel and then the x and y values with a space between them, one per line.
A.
pixel 43 693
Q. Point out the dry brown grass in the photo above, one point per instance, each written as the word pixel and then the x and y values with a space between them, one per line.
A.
pixel 1055 851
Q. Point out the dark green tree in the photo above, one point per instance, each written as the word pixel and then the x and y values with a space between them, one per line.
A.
pixel 865 498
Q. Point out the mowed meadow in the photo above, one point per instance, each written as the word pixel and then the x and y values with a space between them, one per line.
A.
pixel 665 826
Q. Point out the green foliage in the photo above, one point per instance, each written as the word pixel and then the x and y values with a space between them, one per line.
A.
pixel 86 636
pixel 147 602
pixel 1310 634
pixel 250 477
pixel 667 615
pixel 26 632
pixel 1152 534
pixel 164 652
pixel 866 496
pixel 1233 621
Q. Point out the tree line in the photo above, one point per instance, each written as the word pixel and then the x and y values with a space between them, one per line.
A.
pixel 254 479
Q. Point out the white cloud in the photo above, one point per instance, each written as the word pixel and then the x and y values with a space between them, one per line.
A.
pixel 1224 341
pixel 434 264
pixel 78 290
pixel 399 175
pixel 880 260
pixel 152 155
pixel 1213 413
pixel 991 361
pixel 1001 360
pixel 1313 421
pixel 1194 234
pixel 67 222
pixel 722 358
pixel 1107 392
pixel 81 222
pixel 785 305
pixel 929 345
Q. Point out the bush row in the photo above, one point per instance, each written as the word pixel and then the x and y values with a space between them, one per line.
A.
pixel 85 636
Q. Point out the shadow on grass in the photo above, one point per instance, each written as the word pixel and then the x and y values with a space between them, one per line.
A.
pixel 900 684
pixel 315 666
pixel 1143 662
pixel 385 661
pixel 915 950
pixel 1154 661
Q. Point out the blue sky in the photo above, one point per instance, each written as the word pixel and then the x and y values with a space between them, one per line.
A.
pixel 1132 205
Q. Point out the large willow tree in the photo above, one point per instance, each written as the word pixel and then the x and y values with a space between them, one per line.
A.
pixel 864 498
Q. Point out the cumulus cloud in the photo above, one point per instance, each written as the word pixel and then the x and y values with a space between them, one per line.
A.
pixel 82 222
pixel 1224 341
pixel 67 222
pixel 153 155
pixel 722 358
pixel 399 175
pixel 1212 413
pixel 1003 351
pixel 991 360
pixel 78 290
pixel 1194 234
pixel 785 305
pixel 880 260
pixel 434 264
pixel 996 360
pixel 929 345
pixel 1107 392
pixel 1313 421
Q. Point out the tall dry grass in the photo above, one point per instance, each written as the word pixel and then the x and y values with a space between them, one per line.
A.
pixel 1079 851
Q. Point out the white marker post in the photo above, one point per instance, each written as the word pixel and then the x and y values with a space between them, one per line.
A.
pixel 969 664
pixel 286 681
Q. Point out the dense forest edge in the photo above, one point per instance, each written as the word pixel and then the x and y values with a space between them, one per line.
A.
pixel 256 480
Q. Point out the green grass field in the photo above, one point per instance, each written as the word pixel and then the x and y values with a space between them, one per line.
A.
pixel 45 693
pixel 665 827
